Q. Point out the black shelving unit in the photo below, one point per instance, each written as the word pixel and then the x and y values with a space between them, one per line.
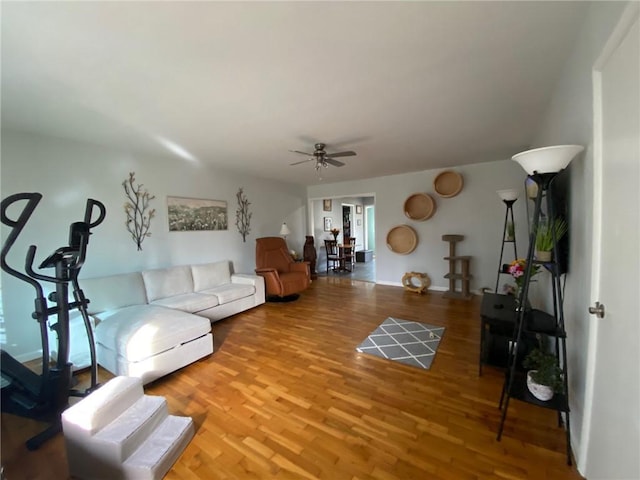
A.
pixel 530 322
pixel 346 221
pixel 502 268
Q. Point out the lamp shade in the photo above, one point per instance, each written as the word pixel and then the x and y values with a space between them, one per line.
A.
pixel 547 159
pixel 284 230
pixel 508 195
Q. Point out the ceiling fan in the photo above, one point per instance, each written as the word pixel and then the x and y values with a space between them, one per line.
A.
pixel 322 158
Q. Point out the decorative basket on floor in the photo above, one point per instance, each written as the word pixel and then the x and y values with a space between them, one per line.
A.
pixel 416 282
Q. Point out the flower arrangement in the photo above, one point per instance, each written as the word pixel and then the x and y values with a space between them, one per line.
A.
pixel 517 269
pixel 335 232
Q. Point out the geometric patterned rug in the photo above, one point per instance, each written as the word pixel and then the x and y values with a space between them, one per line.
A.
pixel 404 341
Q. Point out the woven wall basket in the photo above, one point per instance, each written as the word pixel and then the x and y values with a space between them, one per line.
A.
pixel 448 184
pixel 402 239
pixel 419 206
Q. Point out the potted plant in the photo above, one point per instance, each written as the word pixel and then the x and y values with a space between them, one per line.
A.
pixel 545 237
pixel 511 232
pixel 544 376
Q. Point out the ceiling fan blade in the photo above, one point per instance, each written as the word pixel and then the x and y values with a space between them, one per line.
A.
pixel 335 163
pixel 302 161
pixel 302 153
pixel 348 153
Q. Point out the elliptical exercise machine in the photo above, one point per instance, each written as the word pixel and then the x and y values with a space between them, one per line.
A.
pixel 25 393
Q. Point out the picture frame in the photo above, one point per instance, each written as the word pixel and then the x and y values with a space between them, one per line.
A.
pixel 326 205
pixel 327 224
pixel 359 223
pixel 196 214
pixel 358 209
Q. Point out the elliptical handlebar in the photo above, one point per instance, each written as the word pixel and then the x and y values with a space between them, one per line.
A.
pixel 16 228
pixel 74 255
pixel 88 212
pixel 79 232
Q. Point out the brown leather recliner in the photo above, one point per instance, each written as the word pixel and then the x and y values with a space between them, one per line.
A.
pixel 282 276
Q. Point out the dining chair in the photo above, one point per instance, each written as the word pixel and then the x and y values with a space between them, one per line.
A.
pixel 334 259
pixel 349 249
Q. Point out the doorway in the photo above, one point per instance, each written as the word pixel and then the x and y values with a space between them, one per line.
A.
pixel 347 221
pixel 370 228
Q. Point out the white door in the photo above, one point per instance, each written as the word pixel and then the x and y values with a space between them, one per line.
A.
pixel 613 435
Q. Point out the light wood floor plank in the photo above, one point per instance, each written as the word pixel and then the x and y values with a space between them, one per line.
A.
pixel 286 395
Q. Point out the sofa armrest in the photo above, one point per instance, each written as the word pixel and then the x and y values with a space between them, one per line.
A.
pixel 245 279
pixel 256 280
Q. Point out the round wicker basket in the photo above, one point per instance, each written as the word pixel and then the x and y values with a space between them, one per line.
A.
pixel 448 184
pixel 419 206
pixel 402 239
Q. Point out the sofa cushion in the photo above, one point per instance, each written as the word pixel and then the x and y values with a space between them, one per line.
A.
pixel 114 291
pixel 188 302
pixel 167 282
pixel 210 275
pixel 141 331
pixel 230 292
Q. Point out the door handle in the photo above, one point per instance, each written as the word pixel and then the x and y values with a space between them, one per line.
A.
pixel 598 310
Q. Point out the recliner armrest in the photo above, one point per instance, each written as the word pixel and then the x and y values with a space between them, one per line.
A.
pixel 302 267
pixel 271 280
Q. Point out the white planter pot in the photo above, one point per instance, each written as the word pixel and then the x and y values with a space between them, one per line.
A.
pixel 543 256
pixel 541 392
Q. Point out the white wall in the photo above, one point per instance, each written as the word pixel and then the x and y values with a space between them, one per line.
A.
pixel 569 120
pixel 67 173
pixel 477 213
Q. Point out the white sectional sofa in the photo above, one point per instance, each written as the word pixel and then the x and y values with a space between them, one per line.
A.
pixel 151 323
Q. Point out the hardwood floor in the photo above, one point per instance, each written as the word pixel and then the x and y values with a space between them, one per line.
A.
pixel 286 395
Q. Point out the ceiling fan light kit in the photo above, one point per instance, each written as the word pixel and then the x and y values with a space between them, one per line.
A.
pixel 322 158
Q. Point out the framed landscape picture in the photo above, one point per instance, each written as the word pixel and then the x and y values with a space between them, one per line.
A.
pixel 196 214
pixel 358 209
pixel 326 205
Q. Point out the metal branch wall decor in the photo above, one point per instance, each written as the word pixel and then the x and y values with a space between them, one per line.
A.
pixel 137 210
pixel 243 216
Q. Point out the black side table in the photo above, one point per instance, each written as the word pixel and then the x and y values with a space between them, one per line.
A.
pixel 498 316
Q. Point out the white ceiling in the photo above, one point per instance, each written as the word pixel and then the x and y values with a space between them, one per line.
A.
pixel 408 85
